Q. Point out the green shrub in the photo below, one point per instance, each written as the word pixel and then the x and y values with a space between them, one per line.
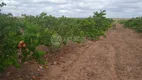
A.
pixel 33 31
pixel 134 23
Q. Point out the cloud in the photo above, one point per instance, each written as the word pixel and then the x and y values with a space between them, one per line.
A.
pixel 125 8
pixel 75 8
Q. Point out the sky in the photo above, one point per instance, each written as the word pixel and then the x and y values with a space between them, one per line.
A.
pixel 74 8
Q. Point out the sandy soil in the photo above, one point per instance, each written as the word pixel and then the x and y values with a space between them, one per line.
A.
pixel 118 57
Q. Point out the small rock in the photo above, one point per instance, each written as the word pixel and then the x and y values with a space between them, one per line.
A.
pixel 40 67
pixel 55 63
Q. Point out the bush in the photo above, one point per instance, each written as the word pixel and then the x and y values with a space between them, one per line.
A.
pixel 19 37
pixel 134 23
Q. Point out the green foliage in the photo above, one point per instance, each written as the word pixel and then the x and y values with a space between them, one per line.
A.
pixel 134 23
pixel 122 21
pixel 42 30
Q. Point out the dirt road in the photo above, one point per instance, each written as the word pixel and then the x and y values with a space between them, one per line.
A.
pixel 118 57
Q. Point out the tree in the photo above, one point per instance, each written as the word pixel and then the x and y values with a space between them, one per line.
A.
pixel 2 4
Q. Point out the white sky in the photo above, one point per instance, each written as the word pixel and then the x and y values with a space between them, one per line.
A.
pixel 75 8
